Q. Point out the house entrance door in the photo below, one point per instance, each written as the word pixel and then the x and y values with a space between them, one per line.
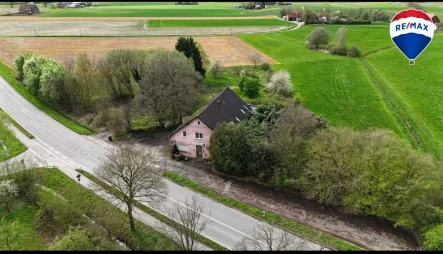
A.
pixel 199 151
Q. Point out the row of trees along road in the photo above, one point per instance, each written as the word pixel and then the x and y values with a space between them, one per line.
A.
pixel 124 90
pixel 366 172
pixel 131 173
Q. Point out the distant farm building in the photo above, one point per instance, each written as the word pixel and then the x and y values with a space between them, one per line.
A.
pixel 294 16
pixel 434 18
pixel 28 9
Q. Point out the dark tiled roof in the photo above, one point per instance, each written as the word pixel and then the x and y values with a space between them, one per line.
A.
pixel 224 107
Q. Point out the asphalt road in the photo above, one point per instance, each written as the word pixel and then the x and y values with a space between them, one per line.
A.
pixel 67 150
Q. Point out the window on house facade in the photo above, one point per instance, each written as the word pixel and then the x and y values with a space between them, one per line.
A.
pixel 184 133
pixel 198 123
pixel 198 135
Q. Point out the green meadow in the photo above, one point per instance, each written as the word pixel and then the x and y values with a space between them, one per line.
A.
pixel 217 23
pixel 380 90
pixel 159 9
pixel 218 9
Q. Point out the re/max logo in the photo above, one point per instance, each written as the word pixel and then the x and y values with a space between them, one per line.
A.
pixel 411 25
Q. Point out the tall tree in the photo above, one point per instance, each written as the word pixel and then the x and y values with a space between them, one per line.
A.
pixel 189 48
pixel 130 172
pixel 169 86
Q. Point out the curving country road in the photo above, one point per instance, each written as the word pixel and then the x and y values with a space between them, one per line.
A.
pixel 66 150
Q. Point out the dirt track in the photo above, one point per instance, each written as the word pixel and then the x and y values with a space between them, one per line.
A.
pixel 228 50
pixel 37 18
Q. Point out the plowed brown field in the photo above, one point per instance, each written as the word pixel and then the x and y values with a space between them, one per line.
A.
pixel 228 50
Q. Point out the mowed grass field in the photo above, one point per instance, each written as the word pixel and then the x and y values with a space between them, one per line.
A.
pixel 217 23
pixel 219 9
pixel 159 9
pixel 390 94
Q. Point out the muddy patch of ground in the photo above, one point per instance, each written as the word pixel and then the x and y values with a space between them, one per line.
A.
pixel 228 50
pixel 366 231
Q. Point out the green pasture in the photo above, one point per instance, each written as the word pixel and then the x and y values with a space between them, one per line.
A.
pixel 160 9
pixel 382 91
pixel 219 9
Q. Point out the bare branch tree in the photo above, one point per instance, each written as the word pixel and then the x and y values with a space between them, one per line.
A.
pixel 267 237
pixel 255 58
pixel 189 223
pixel 130 171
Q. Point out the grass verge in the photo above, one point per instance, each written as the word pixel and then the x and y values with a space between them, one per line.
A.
pixel 297 228
pixel 114 220
pixel 17 125
pixel 9 75
pixel 13 146
pixel 211 244
pixel 24 215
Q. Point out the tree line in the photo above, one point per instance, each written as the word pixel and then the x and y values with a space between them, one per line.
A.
pixel 125 90
pixel 370 172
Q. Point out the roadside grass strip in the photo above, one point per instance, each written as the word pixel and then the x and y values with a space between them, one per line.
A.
pixel 274 219
pixel 211 244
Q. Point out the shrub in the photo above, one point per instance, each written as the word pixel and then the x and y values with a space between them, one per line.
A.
pixel 8 192
pixel 19 62
pixel 117 123
pixel 354 51
pixel 363 161
pixel 331 48
pixel 318 36
pixel 56 216
pixel 75 239
pixel 342 51
pixel 433 239
pixel 266 67
pixel 251 88
pixel 27 185
pixel 280 83
pixel 237 71
pixel 230 150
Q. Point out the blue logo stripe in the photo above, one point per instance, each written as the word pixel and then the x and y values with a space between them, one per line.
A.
pixel 411 44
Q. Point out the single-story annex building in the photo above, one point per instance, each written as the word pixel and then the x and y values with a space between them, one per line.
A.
pixel 192 137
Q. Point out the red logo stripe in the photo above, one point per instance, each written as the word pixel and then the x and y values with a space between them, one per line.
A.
pixel 411 13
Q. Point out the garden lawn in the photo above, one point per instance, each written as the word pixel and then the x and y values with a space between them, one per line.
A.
pixel 13 145
pixel 335 87
pixel 29 238
pixel 9 75
pixel 217 23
